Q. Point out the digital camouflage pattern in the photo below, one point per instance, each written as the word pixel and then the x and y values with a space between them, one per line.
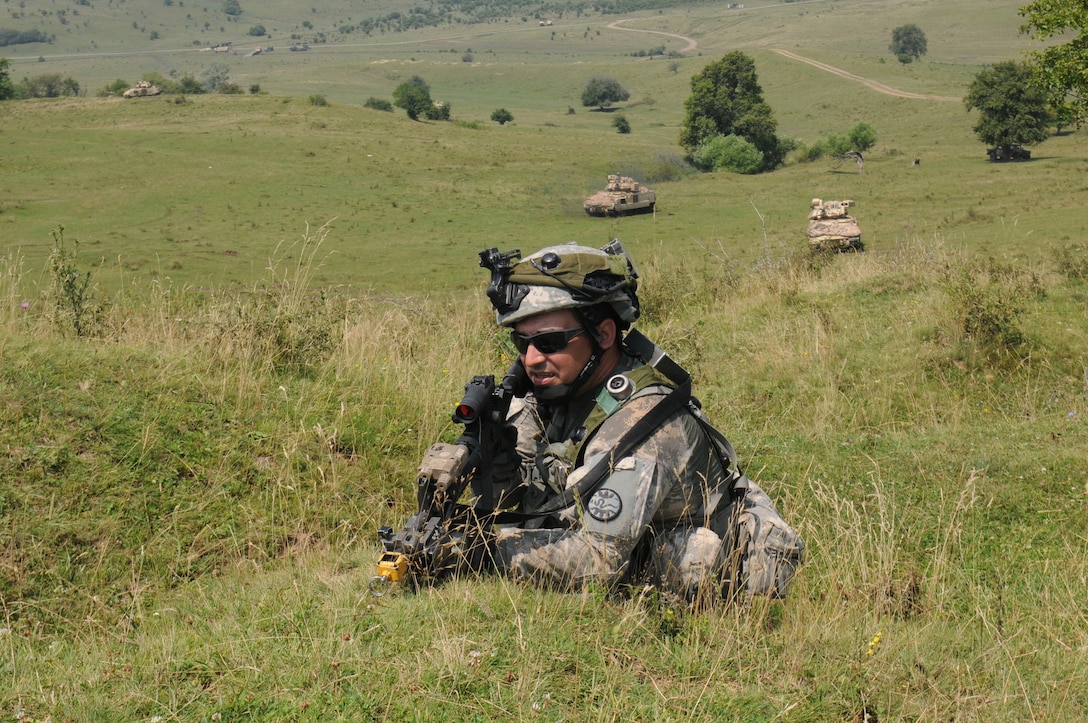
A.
pixel 664 510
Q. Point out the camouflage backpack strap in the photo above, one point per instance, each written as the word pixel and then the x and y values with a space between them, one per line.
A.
pixel 613 395
pixel 675 401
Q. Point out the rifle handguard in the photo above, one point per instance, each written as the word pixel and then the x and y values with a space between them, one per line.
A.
pixel 443 465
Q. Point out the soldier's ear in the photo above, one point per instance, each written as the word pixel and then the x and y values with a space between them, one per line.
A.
pixel 607 333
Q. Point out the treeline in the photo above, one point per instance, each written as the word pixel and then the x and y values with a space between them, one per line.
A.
pixel 21 37
pixel 482 11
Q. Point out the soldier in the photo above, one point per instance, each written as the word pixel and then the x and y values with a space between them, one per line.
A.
pixel 619 476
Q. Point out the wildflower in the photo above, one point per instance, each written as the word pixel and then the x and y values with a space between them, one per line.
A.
pixel 873 643
pixel 25 304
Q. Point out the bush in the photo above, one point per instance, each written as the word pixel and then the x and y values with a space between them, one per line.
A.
pixel 667 166
pixel 621 124
pixel 437 111
pixel 378 104
pixel 502 116
pixel 318 100
pixel 730 153
pixel 257 31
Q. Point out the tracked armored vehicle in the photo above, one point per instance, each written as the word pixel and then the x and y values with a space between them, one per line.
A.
pixel 142 89
pixel 622 196
pixel 831 228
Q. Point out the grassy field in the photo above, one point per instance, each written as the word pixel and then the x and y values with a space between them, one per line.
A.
pixel 283 304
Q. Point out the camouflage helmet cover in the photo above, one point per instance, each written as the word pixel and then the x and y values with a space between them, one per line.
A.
pixel 567 276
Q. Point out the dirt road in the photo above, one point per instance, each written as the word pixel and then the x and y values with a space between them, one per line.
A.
pixel 691 44
pixel 871 84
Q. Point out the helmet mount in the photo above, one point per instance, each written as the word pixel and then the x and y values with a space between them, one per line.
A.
pixel 567 276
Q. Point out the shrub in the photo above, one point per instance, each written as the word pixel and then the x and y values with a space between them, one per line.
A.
pixel 730 153
pixel 378 104
pixel 667 166
pixel 621 124
pixel 502 116
pixel 318 100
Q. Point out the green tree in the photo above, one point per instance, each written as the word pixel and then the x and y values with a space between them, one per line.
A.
pixel 257 31
pixel 862 137
pixel 188 85
pixel 1062 69
pixel 621 124
pixel 215 75
pixel 7 88
pixel 414 97
pixel 602 91
pixel 908 41
pixel 726 99
pixel 232 7
pixel 1012 109
pixel 502 116
pixel 49 85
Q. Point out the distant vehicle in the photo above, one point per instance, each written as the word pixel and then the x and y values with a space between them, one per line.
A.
pixel 300 48
pixel 831 228
pixel 1011 152
pixel 143 88
pixel 622 196
pixel 222 48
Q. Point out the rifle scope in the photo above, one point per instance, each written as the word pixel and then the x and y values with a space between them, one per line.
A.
pixel 477 395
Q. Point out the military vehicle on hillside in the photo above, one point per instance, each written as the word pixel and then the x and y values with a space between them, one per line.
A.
pixel 1011 152
pixel 143 88
pixel 831 228
pixel 620 197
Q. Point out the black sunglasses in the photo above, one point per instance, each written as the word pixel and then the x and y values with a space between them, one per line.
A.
pixel 546 342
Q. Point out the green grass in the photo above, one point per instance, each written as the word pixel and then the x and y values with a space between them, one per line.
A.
pixel 285 304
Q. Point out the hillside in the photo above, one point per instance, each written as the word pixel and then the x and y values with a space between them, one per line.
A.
pixel 230 326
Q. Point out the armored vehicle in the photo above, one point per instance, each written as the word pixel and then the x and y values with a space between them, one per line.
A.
pixel 142 88
pixel 831 228
pixel 1011 152
pixel 620 197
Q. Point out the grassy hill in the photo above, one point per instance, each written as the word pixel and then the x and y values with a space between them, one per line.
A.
pixel 282 304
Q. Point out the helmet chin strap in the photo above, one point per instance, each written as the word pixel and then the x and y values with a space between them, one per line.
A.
pixel 563 392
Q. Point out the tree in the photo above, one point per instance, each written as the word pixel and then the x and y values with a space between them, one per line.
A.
pixel 621 124
pixel 7 88
pixel 1012 109
pixel 502 116
pixel 49 85
pixel 908 41
pixel 232 7
pixel 1062 69
pixel 414 98
pixel 602 91
pixel 726 99
pixel 862 137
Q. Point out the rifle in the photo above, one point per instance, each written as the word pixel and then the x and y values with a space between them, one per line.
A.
pixel 423 547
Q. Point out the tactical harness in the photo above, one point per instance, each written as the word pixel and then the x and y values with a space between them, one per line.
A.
pixel 658 369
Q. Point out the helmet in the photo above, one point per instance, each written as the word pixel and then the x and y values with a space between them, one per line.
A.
pixel 568 276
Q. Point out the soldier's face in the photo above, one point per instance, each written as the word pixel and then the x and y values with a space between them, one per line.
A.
pixel 559 367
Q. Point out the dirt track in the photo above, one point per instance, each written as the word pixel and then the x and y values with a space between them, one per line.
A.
pixel 870 84
pixel 691 44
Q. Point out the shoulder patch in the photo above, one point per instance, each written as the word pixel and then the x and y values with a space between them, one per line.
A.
pixel 605 505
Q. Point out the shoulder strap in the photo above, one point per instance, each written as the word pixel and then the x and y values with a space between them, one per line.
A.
pixel 676 400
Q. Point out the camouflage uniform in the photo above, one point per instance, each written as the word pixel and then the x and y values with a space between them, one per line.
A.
pixel 665 505
pixel 664 513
